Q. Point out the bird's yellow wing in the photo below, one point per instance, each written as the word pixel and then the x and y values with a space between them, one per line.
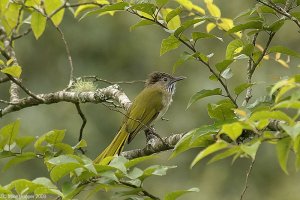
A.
pixel 143 111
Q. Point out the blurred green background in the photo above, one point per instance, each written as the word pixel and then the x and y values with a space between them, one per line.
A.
pixel 105 47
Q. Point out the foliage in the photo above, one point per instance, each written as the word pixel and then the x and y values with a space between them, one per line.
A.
pixel 239 127
pixel 71 172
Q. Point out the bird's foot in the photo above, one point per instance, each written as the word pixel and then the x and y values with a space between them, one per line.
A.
pixel 151 134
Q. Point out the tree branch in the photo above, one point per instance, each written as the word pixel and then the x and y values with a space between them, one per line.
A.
pixel 154 145
pixel 98 96
pixel 281 11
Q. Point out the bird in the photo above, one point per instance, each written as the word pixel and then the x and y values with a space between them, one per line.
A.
pixel 150 104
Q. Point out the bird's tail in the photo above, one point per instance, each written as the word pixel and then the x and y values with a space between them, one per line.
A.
pixel 115 147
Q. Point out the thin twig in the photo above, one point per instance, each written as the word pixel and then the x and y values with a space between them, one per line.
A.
pixel 8 103
pixel 15 37
pixel 249 75
pixel 82 116
pixel 280 11
pixel 255 64
pixel 246 180
pixel 3 80
pixel 96 78
pixel 71 79
pixel 27 91
pixel 144 192
pixel 66 5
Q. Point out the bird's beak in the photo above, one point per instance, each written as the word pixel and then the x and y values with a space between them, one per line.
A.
pixel 179 78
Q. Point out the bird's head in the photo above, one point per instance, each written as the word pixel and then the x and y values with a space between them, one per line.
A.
pixel 164 79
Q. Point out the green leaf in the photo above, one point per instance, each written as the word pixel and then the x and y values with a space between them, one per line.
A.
pixel 187 24
pixel 200 137
pixel 82 8
pixel 63 159
pixel 213 77
pixel 201 56
pixel 276 25
pixel 6 154
pixel 220 144
pixel 183 58
pixel 240 88
pixel 113 7
pixel 61 170
pixel 292 131
pixel 204 93
pixel 260 115
pixel 136 161
pixel 176 194
pixel 227 73
pixel 38 145
pixel 213 9
pixel 18 159
pixel 248 50
pixel 288 104
pixel 47 187
pixel 265 9
pixel 3 191
pixel 51 6
pixel 221 66
pixel 80 144
pixel 233 130
pixel 119 163
pixel 251 149
pixel 248 25
pixel 223 110
pixel 38 24
pixel 284 50
pixel 22 142
pixel 44 181
pixel 296 15
pixel 143 22
pixel 201 35
pixel 173 13
pixel 135 173
pixel 64 148
pixel 283 148
pixel 55 136
pixel 23 186
pixel 145 7
pixel 161 3
pixel 8 134
pixel 157 170
pixel 232 47
pixel 169 44
pixel 187 4
pixel 45 190
pixel 225 154
pixel 14 71
pixel 9 16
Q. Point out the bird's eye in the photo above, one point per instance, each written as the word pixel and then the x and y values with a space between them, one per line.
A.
pixel 165 79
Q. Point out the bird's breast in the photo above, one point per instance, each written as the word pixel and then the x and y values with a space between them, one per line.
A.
pixel 166 101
